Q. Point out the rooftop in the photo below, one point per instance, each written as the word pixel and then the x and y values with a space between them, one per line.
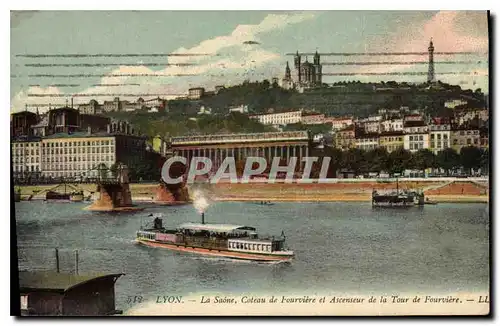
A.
pixel 26 139
pixel 56 282
pixel 391 133
pixel 23 113
pixel 367 136
pixel 227 228
pixel 84 134
pixel 306 114
pixel 348 128
pixel 238 138
pixel 412 123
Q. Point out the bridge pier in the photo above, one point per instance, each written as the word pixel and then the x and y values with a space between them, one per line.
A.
pixel 114 194
pixel 174 195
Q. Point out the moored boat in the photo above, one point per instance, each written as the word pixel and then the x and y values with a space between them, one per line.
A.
pixel 217 240
pixel 392 200
pixel 397 198
pixel 53 195
pixel 266 203
pixel 76 196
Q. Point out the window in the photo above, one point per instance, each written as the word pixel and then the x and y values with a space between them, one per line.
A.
pixel 421 138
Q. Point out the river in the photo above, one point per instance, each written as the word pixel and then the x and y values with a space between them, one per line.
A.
pixel 340 248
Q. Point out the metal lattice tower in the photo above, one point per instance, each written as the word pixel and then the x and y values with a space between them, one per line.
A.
pixel 430 74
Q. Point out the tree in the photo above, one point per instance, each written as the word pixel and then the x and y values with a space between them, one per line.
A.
pixel 335 156
pixel 377 159
pixel 102 171
pixel 424 159
pixel 470 158
pixel 353 159
pixel 448 159
pixel 114 169
pixel 399 160
pixel 485 161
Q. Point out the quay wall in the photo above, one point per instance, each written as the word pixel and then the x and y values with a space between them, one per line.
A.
pixel 438 189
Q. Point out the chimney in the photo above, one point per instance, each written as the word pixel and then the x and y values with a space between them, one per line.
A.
pixel 71 102
pixel 89 130
pixel 202 218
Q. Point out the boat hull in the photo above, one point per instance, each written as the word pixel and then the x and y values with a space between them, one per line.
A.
pixel 217 252
pixel 76 198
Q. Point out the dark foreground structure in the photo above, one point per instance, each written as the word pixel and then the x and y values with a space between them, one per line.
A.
pixel 58 294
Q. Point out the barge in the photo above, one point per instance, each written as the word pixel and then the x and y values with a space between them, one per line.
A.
pixel 397 198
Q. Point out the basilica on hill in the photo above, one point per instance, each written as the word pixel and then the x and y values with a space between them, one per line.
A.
pixel 305 74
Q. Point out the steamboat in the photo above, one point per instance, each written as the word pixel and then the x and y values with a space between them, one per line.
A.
pixel 219 240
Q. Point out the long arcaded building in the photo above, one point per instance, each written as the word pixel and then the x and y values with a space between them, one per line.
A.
pixel 268 145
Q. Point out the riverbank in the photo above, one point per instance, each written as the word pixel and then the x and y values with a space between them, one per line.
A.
pixel 354 198
pixel 441 192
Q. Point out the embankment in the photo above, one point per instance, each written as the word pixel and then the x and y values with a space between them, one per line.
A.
pixel 460 190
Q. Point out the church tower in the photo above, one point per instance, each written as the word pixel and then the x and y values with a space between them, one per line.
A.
pixel 317 68
pixel 296 61
pixel 430 74
pixel 287 82
pixel 288 75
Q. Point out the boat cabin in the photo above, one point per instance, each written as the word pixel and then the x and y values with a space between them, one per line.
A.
pixel 146 235
pixel 217 230
pixel 264 245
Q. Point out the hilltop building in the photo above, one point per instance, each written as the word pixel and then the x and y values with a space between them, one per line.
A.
pixel 305 74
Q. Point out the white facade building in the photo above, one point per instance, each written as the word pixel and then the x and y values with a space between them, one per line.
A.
pixel 204 110
pixel 372 127
pixel 26 156
pixel 391 125
pixel 451 104
pixel 241 109
pixel 339 123
pixel 439 137
pixel 416 135
pixel 416 141
pixel 367 143
pixel 283 118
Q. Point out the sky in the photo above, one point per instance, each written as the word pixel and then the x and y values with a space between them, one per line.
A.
pixel 209 48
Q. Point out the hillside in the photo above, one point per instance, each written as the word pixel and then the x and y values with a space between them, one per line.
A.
pixel 354 98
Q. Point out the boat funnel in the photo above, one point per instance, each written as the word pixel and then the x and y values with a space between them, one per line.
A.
pixel 158 223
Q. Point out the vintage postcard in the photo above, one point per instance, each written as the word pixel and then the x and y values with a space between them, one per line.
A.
pixel 271 163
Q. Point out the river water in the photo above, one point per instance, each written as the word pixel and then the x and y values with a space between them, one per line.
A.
pixel 340 248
